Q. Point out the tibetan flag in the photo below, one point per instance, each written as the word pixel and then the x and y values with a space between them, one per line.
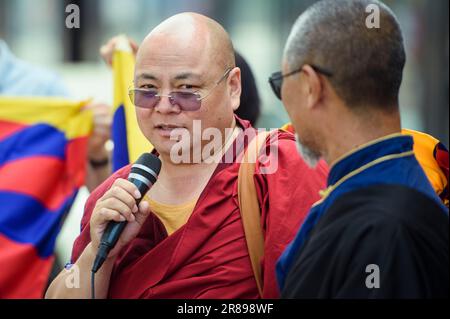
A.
pixel 129 142
pixel 43 144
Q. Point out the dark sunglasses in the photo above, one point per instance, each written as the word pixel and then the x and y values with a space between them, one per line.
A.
pixel 276 79
pixel 187 101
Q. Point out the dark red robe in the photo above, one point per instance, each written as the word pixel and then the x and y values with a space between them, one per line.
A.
pixel 208 256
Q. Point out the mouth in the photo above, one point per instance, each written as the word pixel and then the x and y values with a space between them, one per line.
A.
pixel 165 129
pixel 163 126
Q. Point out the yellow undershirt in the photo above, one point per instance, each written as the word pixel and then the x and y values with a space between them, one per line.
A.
pixel 172 216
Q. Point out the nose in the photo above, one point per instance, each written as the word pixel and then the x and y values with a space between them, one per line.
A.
pixel 165 105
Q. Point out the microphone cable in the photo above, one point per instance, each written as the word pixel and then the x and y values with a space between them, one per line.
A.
pixel 92 285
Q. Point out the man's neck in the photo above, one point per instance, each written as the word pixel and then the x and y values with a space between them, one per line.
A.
pixel 178 183
pixel 354 133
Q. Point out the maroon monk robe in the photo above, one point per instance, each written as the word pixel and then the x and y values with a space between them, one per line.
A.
pixel 208 256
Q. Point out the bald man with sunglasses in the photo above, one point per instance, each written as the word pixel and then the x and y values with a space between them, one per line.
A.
pixel 186 238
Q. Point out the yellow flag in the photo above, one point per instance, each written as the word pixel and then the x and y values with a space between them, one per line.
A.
pixel 129 142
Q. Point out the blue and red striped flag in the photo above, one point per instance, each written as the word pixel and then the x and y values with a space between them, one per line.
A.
pixel 129 142
pixel 42 164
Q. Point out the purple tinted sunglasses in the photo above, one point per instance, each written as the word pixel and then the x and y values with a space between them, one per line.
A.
pixel 187 101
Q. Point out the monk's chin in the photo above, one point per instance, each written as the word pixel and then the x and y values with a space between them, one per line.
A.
pixel 163 145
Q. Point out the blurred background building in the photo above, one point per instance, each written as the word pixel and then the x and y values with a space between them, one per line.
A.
pixel 35 31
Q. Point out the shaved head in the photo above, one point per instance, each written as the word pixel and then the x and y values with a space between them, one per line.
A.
pixel 198 33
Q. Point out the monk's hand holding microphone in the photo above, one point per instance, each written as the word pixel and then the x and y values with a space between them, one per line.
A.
pixel 119 214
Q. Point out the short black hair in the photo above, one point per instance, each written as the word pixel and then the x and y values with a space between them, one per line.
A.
pixel 249 108
pixel 367 63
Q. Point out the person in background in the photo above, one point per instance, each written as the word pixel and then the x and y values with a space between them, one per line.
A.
pixel 250 102
pixel 380 230
pixel 19 78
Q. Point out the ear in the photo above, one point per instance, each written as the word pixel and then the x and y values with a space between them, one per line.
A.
pixel 314 86
pixel 234 85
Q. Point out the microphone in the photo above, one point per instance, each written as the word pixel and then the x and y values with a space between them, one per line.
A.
pixel 144 173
